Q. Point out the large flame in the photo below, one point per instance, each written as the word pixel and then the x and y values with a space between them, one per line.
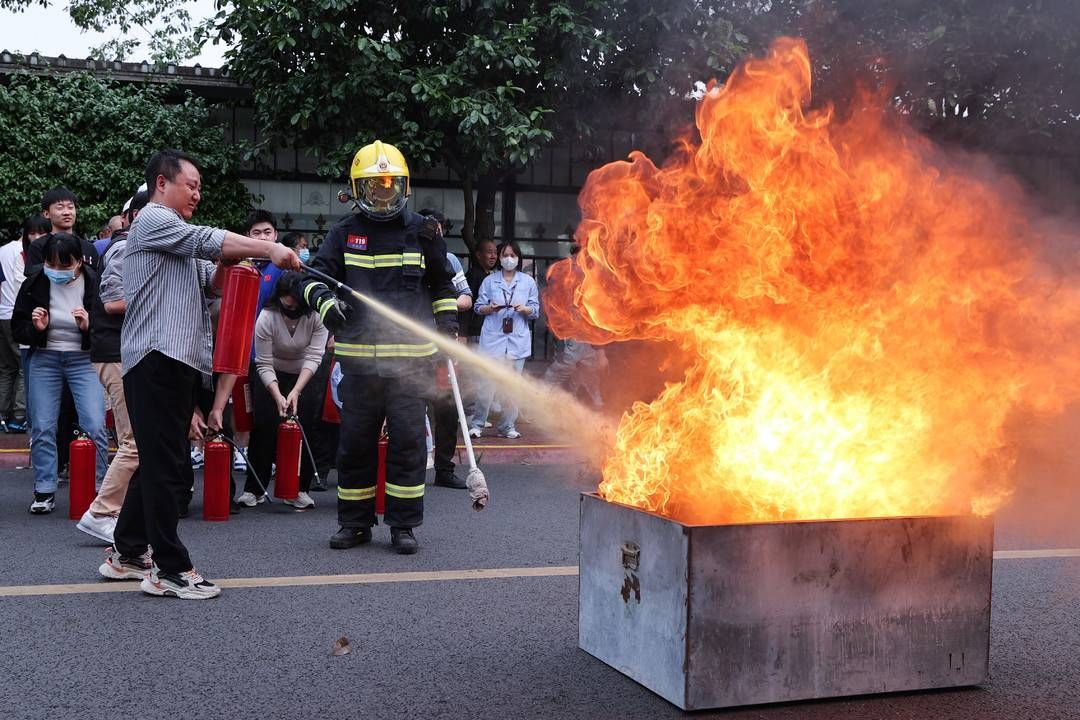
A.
pixel 859 317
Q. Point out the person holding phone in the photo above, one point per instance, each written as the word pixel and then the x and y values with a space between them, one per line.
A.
pixel 508 300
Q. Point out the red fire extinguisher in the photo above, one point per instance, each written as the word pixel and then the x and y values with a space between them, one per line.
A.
pixel 330 412
pixel 82 464
pixel 243 421
pixel 216 475
pixel 380 476
pixel 236 324
pixel 289 439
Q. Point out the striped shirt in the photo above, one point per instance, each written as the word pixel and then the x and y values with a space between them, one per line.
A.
pixel 165 288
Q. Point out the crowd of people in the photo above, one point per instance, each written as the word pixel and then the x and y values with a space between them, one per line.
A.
pixel 126 324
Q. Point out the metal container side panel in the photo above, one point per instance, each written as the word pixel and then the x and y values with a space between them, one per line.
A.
pixel 793 611
pixel 634 618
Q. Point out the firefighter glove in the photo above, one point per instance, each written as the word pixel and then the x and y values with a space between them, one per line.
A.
pixel 447 325
pixel 333 311
pixel 430 228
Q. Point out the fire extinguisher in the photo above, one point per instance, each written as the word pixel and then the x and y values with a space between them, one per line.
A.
pixel 380 476
pixel 289 440
pixel 82 464
pixel 236 324
pixel 217 473
pixel 243 420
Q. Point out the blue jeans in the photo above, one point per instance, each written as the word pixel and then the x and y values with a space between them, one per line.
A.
pixel 50 368
pixel 485 395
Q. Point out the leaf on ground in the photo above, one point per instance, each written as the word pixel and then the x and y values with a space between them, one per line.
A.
pixel 341 647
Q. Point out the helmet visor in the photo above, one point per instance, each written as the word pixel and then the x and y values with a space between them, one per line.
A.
pixel 383 196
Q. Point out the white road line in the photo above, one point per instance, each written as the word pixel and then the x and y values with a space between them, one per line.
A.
pixel 396 577
pixel 1036 554
pixel 106 586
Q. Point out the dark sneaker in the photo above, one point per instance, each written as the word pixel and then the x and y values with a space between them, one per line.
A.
pixel 449 481
pixel 43 504
pixel 18 427
pixel 120 567
pixel 350 537
pixel 188 585
pixel 404 541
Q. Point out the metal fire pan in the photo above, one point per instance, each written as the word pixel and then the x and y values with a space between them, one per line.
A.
pixel 730 615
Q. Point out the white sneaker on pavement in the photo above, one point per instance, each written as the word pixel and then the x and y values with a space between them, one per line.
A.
pixel 239 460
pixel 302 501
pixel 476 433
pixel 100 527
pixel 197 458
pixel 188 585
pixel 119 567
pixel 250 499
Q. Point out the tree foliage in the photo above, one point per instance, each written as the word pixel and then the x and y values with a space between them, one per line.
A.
pixel 95 137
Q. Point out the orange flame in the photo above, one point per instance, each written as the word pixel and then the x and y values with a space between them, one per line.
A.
pixel 859 316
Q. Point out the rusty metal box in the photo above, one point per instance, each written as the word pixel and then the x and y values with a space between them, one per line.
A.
pixel 729 615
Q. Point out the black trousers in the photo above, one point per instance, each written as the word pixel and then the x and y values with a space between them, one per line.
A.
pixel 262 447
pixel 161 394
pixel 444 430
pixel 368 400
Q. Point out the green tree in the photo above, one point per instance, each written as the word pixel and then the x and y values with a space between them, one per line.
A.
pixel 94 137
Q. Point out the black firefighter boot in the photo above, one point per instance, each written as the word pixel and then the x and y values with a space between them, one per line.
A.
pixel 403 540
pixel 346 537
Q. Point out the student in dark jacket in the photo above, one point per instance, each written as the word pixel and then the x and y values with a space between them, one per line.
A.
pixel 51 316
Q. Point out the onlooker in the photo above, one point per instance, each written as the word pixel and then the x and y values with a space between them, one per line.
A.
pixel 484 258
pixel 12 266
pixel 50 316
pixel 578 367
pixel 60 207
pixel 507 301
pixel 165 348
pixel 116 224
pixel 106 321
pixel 289 343
pixel 298 243
pixel 444 416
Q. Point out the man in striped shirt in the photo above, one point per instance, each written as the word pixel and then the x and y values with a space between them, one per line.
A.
pixel 166 350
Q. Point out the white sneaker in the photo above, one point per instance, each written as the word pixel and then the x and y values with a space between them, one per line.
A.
pixel 430 461
pixel 302 501
pixel 188 585
pixel 510 434
pixel 197 458
pixel 476 433
pixel 43 504
pixel 100 527
pixel 239 460
pixel 118 567
pixel 250 499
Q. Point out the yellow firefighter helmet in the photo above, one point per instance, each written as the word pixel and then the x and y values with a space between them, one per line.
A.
pixel 379 177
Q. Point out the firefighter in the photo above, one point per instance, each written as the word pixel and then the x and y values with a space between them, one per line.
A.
pixel 399 257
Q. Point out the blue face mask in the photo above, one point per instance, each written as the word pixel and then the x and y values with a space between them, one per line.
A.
pixel 60 277
pixel 304 255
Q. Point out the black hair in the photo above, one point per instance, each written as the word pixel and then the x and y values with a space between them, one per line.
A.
pixel 62 249
pixel 511 244
pixel 138 202
pixel 260 216
pixel 167 163
pixel 291 240
pixel 287 284
pixel 35 223
pixel 57 194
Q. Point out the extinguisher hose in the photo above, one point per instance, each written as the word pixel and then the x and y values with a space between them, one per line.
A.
pixel 258 480
pixel 307 446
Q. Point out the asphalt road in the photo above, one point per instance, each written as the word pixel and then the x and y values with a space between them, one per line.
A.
pixel 488 648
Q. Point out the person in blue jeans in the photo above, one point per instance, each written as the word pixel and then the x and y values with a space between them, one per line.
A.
pixel 51 317
pixel 508 300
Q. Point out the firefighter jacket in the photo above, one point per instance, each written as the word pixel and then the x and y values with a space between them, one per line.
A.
pixel 396 264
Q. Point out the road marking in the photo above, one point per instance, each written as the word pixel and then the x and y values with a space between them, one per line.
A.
pixel 1035 554
pixel 106 586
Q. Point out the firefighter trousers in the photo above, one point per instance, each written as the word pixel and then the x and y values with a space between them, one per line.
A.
pixel 366 401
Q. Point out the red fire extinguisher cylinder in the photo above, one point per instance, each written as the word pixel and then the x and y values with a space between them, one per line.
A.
pixel 243 420
pixel 216 475
pixel 380 477
pixel 236 324
pixel 82 463
pixel 289 440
